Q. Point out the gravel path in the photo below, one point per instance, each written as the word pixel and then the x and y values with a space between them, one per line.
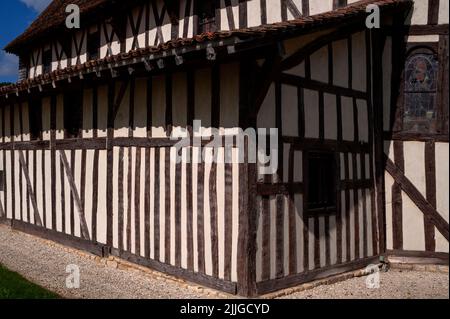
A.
pixel 394 284
pixel 45 265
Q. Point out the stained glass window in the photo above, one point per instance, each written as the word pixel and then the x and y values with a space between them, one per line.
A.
pixel 420 85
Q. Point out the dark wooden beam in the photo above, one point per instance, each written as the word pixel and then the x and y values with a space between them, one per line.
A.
pixel 418 199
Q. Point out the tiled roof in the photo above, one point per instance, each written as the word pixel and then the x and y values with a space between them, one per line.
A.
pixel 277 30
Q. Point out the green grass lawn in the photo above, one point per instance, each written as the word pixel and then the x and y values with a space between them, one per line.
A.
pixel 14 286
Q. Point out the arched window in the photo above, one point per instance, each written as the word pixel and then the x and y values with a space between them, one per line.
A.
pixel 420 92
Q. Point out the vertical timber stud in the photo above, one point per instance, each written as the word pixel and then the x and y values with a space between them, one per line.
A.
pixel 110 156
pixel 377 97
pixel 247 199
pixel 53 158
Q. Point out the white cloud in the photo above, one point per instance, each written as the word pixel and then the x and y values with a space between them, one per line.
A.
pixel 8 65
pixel 37 5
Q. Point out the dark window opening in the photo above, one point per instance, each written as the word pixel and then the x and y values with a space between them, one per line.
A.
pixel 47 61
pixel 35 119
pixel 420 92
pixel 321 182
pixel 73 114
pixel 207 16
pixel 93 46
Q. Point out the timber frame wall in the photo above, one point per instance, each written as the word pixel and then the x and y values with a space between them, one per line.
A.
pixel 113 190
pixel 320 100
pixel 416 190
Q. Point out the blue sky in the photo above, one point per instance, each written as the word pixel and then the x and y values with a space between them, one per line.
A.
pixel 15 17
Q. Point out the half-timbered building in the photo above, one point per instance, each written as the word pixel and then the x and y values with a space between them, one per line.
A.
pixel 361 113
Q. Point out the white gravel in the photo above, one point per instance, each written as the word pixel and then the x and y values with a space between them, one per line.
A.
pixel 394 284
pixel 46 265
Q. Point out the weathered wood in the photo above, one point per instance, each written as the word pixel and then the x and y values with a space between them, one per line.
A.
pixel 95 188
pixel 263 6
pixel 167 204
pixel 370 111
pixel 13 170
pixel 305 217
pixel 37 217
pixel 279 227
pixel 416 137
pixel 365 236
pixel 293 249
pixel 120 205
pixel 157 204
pixel 214 223
pixel 228 210
pixel 266 226
pixel 306 83
pixel 326 145
pixel 148 180
pixel 53 160
pixel 339 214
pixel 137 203
pixel 433 12
pixel 327 241
pixel 243 15
pixel 129 194
pixel 72 198
pixel 178 221
pixel 417 257
pixel 63 197
pixel 248 227
pixel 201 215
pixel 190 209
pixel 397 202
pixel 430 181
pixel 44 190
pixel 110 164
pixel 74 191
pixel 83 180
pixel 316 221
pixel 356 209
pixel 67 240
pixel 377 100
pixel 347 210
